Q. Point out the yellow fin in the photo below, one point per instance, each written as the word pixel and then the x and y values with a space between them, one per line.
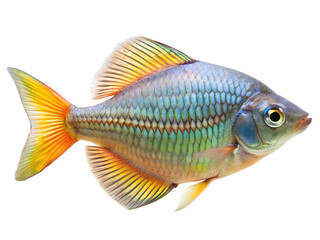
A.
pixel 192 192
pixel 217 156
pixel 133 60
pixel 125 183
pixel 50 135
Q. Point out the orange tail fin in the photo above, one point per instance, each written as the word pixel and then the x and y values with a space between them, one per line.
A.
pixel 50 134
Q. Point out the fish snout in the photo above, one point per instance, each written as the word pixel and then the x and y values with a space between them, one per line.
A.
pixel 303 124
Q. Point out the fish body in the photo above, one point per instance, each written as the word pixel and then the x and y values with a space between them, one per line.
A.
pixel 160 121
pixel 171 120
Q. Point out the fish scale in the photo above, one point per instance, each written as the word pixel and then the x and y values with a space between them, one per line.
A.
pixel 162 120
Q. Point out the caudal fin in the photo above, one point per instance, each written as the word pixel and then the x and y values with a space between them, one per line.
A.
pixel 50 134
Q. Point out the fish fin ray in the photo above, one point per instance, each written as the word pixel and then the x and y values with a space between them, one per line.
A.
pixel 50 135
pixel 191 193
pixel 125 183
pixel 133 60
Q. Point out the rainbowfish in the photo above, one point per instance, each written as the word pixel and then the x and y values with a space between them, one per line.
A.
pixel 171 119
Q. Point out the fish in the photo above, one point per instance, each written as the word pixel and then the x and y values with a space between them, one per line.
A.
pixel 168 119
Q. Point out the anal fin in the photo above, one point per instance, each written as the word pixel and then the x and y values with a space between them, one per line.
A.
pixel 125 183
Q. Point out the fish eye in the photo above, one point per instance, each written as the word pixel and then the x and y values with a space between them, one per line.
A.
pixel 274 116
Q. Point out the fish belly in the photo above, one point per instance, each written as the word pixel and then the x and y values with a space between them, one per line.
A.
pixel 158 122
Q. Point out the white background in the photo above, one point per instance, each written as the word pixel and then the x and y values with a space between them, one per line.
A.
pixel 63 43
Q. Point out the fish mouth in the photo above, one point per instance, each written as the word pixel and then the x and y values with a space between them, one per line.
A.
pixel 303 124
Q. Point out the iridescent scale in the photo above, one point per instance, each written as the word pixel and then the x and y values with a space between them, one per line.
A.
pixel 158 122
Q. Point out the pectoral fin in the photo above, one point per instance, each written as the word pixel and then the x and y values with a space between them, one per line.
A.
pixel 216 155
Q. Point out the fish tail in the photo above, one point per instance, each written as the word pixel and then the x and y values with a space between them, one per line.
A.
pixel 50 134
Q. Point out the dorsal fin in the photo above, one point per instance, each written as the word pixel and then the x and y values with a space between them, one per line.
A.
pixel 125 183
pixel 133 60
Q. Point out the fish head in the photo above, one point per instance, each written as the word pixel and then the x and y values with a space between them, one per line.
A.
pixel 266 121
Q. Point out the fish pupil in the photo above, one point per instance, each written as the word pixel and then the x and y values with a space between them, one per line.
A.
pixel 275 117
